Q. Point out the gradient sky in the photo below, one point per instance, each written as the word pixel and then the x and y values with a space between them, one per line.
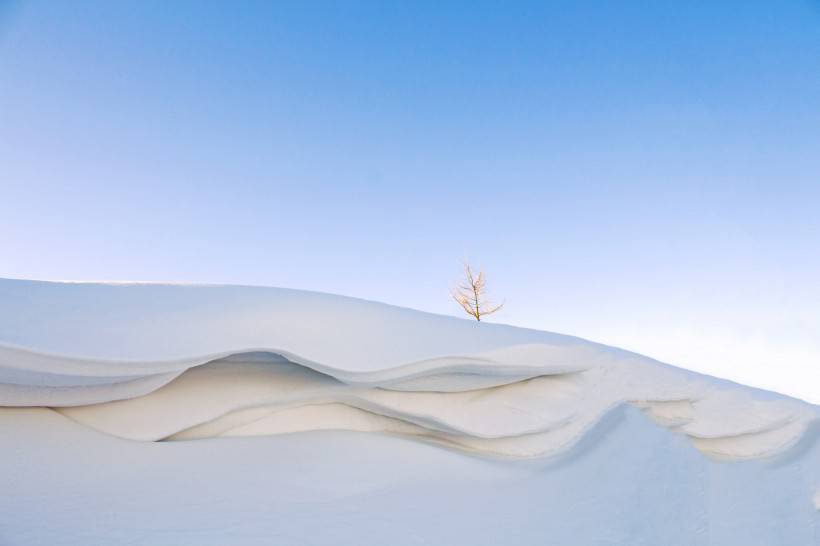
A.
pixel 646 174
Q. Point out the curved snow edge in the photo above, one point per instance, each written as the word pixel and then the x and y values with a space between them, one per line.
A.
pixel 447 373
pixel 537 417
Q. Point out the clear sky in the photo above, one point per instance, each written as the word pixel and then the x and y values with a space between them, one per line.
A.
pixel 646 174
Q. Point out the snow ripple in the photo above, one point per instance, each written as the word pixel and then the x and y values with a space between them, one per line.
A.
pixel 180 362
pixel 255 394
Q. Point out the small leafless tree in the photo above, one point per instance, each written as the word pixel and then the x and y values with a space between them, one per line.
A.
pixel 470 295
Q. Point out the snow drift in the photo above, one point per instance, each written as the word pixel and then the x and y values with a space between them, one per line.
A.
pixel 256 394
pixel 171 363
pixel 245 361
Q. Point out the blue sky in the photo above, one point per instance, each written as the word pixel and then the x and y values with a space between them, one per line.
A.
pixel 645 174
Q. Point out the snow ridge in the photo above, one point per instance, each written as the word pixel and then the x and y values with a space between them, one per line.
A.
pixel 264 394
pixel 181 362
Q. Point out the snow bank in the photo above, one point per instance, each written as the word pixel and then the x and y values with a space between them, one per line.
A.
pixel 336 410
pixel 164 362
pixel 530 418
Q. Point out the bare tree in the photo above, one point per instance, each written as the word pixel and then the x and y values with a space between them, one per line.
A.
pixel 470 295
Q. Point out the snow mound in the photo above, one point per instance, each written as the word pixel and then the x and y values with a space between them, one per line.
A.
pixel 535 417
pixel 174 362
pixel 234 415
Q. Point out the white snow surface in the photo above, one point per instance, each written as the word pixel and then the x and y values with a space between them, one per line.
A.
pixel 149 383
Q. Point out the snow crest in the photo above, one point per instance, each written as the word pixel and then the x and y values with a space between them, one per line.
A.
pixel 263 394
pixel 174 363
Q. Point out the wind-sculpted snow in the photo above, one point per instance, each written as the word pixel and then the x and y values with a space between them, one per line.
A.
pixel 371 425
pixel 161 362
pixel 25 381
pixel 257 394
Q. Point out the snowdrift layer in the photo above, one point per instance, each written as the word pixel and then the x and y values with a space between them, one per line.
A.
pixel 257 394
pixel 163 362
pixel 115 402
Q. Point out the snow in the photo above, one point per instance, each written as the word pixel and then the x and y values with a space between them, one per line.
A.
pixel 175 414
pixel 530 418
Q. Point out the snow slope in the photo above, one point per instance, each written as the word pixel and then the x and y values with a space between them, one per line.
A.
pixel 152 382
